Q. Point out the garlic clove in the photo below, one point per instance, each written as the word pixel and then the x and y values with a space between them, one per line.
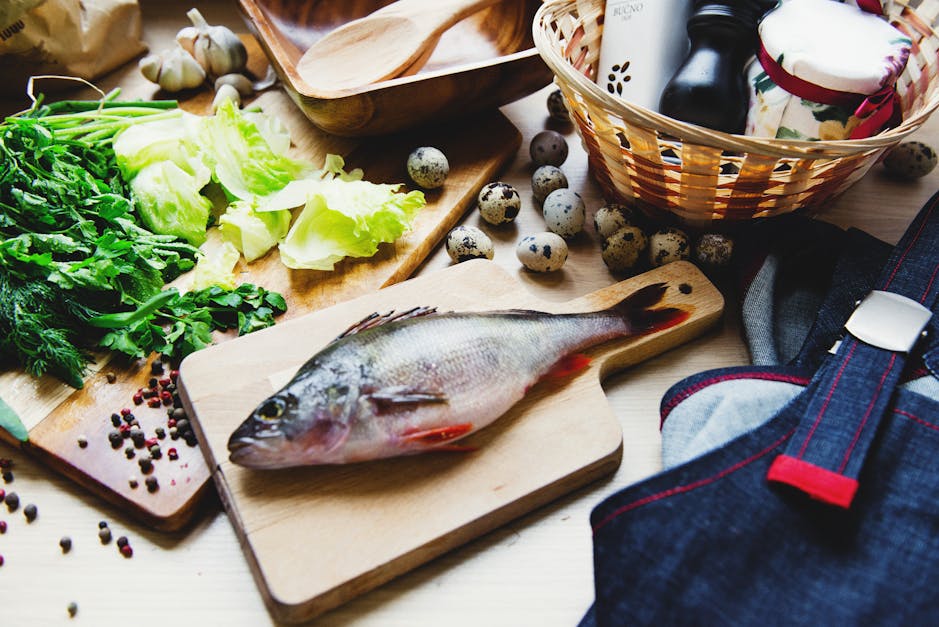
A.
pixel 186 37
pixel 226 92
pixel 239 81
pixel 150 67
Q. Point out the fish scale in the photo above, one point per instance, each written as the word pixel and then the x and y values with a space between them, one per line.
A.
pixel 419 381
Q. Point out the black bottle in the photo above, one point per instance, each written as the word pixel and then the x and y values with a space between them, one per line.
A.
pixel 709 88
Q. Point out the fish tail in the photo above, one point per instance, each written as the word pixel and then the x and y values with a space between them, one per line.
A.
pixel 640 318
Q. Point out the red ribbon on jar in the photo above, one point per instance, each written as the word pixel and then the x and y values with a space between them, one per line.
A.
pixel 877 111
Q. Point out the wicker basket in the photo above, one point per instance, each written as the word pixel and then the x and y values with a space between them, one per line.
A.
pixel 708 178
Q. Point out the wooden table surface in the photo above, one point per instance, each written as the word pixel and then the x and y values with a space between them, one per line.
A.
pixel 535 571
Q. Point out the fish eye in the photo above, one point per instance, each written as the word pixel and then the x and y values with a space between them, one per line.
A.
pixel 272 409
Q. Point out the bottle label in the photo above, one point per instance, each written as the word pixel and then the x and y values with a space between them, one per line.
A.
pixel 643 43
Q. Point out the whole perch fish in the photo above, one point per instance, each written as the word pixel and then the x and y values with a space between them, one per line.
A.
pixel 419 381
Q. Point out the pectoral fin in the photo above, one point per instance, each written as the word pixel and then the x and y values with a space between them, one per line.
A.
pixel 432 437
pixel 402 395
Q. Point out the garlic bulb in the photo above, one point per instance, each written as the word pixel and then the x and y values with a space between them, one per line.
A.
pixel 217 49
pixel 173 69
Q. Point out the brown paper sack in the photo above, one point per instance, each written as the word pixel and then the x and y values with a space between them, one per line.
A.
pixel 84 38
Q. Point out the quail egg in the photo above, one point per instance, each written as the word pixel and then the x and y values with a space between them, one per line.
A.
pixel 428 167
pixel 910 160
pixel 623 250
pixel 499 203
pixel 564 212
pixel 548 147
pixel 545 180
pixel 557 110
pixel 611 217
pixel 468 242
pixel 713 250
pixel 542 252
pixel 667 245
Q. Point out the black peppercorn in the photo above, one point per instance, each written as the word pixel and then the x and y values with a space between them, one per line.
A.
pixel 66 544
pixel 122 542
pixel 12 500
pixel 30 512
pixel 104 534
pixel 116 439
pixel 156 367
pixel 7 476
pixel 116 420
pixel 152 484
pixel 72 609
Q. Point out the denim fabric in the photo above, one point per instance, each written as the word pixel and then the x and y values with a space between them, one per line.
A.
pixel 730 402
pixel 710 542
pixel 726 537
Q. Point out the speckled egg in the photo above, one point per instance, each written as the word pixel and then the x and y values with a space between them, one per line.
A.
pixel 910 160
pixel 713 250
pixel 468 242
pixel 611 217
pixel 545 180
pixel 499 203
pixel 542 252
pixel 557 110
pixel 667 245
pixel 623 250
pixel 548 147
pixel 428 167
pixel 564 212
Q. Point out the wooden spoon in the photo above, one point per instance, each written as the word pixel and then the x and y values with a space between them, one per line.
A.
pixel 382 45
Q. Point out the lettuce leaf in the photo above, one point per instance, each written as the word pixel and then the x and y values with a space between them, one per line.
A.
pixel 347 219
pixel 173 139
pixel 216 269
pixel 251 232
pixel 241 158
pixel 168 200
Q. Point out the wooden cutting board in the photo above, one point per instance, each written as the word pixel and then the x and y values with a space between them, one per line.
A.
pixel 57 416
pixel 316 537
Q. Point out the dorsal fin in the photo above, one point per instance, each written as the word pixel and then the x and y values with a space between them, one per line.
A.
pixel 376 319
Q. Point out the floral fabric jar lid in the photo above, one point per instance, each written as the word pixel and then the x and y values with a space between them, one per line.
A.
pixel 825 70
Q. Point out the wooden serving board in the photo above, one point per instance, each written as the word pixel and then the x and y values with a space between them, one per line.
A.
pixel 57 416
pixel 316 537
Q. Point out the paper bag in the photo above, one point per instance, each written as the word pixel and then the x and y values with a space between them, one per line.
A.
pixel 83 38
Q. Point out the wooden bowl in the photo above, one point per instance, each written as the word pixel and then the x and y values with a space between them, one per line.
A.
pixel 487 60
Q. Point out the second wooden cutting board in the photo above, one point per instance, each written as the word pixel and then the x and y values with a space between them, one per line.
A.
pixel 58 417
pixel 318 536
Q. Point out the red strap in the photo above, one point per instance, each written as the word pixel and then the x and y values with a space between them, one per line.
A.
pixel 820 483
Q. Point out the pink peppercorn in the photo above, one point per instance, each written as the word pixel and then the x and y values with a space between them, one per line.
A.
pixel 127 551
pixel 150 442
pixel 171 423
pixel 3 526
pixel 172 453
pixel 138 398
pixel 125 411
pixel 174 374
pixel 153 402
pixel 2 494
pixel 165 381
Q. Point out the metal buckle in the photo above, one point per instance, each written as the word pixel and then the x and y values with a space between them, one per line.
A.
pixel 889 321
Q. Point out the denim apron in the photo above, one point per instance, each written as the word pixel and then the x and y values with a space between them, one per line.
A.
pixel 796 494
